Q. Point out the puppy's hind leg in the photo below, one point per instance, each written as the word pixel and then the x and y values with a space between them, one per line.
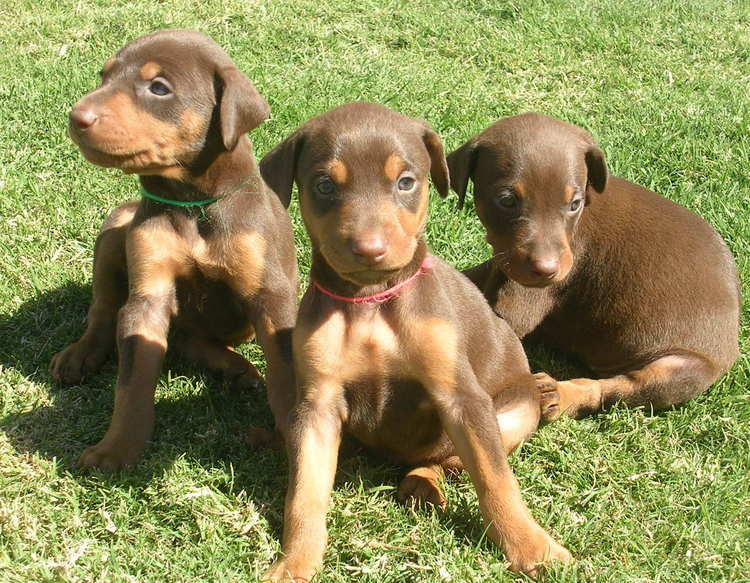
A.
pixel 110 290
pixel 221 360
pixel 663 383
pixel 517 422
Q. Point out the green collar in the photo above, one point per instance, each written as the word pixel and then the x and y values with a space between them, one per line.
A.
pixel 183 203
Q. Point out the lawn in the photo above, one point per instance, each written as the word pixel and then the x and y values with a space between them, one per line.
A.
pixel 636 497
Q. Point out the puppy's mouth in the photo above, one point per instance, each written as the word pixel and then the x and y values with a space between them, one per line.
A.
pixel 534 281
pixel 527 278
pixel 138 161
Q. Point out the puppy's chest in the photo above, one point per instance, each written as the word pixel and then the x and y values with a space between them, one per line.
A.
pixel 350 350
pixel 388 371
pixel 236 262
pixel 375 350
pixel 217 278
pixel 376 365
pixel 522 307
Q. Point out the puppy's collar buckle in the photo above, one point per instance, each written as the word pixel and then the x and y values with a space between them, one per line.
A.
pixel 381 297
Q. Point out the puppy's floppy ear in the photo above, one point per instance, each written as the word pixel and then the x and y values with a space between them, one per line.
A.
pixel 596 168
pixel 241 107
pixel 438 165
pixel 461 163
pixel 279 166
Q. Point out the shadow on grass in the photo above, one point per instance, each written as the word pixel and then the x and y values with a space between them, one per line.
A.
pixel 204 423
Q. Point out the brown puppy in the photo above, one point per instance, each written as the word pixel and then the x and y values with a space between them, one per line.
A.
pixel 391 346
pixel 174 109
pixel 638 287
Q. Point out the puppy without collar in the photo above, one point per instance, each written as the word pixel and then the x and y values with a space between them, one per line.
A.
pixel 644 291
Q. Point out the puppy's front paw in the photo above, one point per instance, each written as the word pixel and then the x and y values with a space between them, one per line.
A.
pixel 76 362
pixel 110 455
pixel 549 396
pixel 533 557
pixel 283 572
pixel 248 380
pixel 421 491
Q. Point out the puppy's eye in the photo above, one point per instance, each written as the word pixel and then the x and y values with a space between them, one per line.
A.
pixel 406 183
pixel 325 188
pixel 507 200
pixel 159 88
pixel 575 204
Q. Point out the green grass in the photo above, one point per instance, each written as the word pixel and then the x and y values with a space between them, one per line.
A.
pixel 637 498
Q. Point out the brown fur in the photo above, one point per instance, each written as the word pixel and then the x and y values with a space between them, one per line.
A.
pixel 422 378
pixel 216 280
pixel 641 289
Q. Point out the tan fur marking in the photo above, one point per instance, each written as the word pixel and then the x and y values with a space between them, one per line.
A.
pixel 413 223
pixel 154 260
pixel 569 192
pixel 566 261
pixel 338 171
pixel 661 370
pixel 120 216
pixel 150 70
pixel 173 172
pixel 579 393
pixel 241 261
pixel 517 424
pixel 394 166
pixel 141 142
pixel 520 189
pixel 436 349
pixel 340 351
pixel 247 262
pixel 192 124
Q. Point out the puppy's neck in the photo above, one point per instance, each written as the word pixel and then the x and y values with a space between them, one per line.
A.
pixel 212 175
pixel 327 277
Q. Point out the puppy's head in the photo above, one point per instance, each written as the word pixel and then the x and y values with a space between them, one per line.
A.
pixel 165 99
pixel 533 175
pixel 362 172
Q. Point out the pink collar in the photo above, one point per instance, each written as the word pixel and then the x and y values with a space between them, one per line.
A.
pixel 383 296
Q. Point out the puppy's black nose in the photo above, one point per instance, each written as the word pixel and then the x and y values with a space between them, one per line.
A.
pixel 545 267
pixel 82 118
pixel 370 248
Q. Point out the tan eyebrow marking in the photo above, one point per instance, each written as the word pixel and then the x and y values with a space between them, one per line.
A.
pixel 150 70
pixel 338 171
pixel 394 165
